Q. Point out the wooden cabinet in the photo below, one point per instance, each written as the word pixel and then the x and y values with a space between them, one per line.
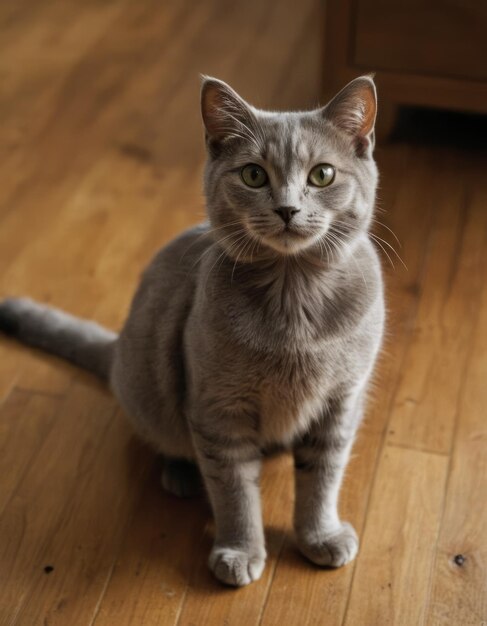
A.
pixel 424 52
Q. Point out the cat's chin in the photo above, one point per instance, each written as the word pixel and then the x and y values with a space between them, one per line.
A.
pixel 290 243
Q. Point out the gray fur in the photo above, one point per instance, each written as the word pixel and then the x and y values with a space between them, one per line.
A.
pixel 82 342
pixel 247 333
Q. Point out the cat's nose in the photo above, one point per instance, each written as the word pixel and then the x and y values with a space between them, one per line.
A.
pixel 286 213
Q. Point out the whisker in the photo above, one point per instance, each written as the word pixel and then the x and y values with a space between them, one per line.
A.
pixel 216 243
pixel 322 243
pixel 242 250
pixel 207 233
pixel 377 239
pixel 389 229
pixel 337 243
pixel 254 248
pixel 222 256
pixel 384 251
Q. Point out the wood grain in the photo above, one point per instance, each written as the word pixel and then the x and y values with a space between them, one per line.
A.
pixel 451 290
pixel 26 419
pixel 102 160
pixel 459 583
pixel 399 539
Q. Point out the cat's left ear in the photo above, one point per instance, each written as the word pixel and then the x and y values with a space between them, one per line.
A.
pixel 353 110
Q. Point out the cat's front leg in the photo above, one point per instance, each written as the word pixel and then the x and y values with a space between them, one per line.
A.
pixel 320 459
pixel 231 472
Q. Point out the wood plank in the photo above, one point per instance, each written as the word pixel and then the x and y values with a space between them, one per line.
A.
pixel 52 184
pixel 390 585
pixel 157 558
pixel 69 512
pixel 25 421
pixel 9 364
pixel 423 417
pixel 46 44
pixel 459 588
pixel 398 205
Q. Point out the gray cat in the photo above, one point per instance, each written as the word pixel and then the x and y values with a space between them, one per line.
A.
pixel 256 330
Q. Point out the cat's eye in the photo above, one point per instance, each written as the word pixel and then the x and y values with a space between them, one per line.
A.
pixel 254 175
pixel 322 175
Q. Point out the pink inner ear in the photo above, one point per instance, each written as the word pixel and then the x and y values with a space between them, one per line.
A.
pixel 353 109
pixel 368 116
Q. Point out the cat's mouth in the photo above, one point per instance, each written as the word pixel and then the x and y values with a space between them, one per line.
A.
pixel 293 232
pixel 287 239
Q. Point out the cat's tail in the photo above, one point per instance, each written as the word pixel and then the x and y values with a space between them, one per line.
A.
pixel 82 342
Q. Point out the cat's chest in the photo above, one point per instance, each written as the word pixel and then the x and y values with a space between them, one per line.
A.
pixel 299 320
pixel 296 388
pixel 283 417
pixel 292 394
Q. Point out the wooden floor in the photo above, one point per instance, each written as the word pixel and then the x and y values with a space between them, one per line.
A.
pixel 101 157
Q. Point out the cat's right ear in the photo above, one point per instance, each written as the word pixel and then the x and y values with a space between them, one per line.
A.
pixel 225 114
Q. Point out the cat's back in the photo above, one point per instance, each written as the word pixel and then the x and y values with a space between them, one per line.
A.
pixel 175 262
pixel 148 368
pixel 167 284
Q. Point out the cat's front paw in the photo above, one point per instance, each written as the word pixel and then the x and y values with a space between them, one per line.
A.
pixel 332 549
pixel 236 567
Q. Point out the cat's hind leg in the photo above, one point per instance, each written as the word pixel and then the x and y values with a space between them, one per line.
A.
pixel 181 478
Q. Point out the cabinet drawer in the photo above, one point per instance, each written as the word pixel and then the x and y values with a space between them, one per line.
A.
pixel 445 38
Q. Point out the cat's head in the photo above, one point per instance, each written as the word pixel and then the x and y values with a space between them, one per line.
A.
pixel 289 183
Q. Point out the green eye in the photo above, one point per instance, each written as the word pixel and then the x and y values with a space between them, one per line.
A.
pixel 322 175
pixel 254 175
